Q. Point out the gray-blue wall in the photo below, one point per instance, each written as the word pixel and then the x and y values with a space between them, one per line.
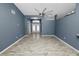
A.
pixel 68 27
pixel 48 26
pixel 12 27
pixel 27 25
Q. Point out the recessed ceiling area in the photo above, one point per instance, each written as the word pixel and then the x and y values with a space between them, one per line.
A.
pixel 61 9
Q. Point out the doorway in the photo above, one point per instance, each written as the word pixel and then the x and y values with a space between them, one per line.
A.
pixel 36 26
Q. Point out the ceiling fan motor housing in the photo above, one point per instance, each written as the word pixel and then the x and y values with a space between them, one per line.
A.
pixel 41 14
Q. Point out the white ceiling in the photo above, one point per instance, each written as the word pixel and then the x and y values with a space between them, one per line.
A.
pixel 61 9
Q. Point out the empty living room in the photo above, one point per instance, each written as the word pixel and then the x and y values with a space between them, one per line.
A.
pixel 39 29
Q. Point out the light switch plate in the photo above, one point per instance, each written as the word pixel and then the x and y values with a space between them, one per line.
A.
pixel 16 37
pixel 13 12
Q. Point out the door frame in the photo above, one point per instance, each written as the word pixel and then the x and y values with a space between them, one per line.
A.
pixel 40 25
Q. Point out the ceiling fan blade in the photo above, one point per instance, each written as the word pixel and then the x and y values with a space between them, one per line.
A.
pixel 49 15
pixel 44 10
pixel 37 10
pixel 49 11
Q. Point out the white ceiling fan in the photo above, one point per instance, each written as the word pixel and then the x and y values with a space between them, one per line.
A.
pixel 44 13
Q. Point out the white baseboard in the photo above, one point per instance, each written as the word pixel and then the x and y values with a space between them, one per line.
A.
pixel 41 35
pixel 63 42
pixel 67 44
pixel 13 44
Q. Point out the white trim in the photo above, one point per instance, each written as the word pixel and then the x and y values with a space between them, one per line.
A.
pixel 13 44
pixel 63 42
pixel 41 35
pixel 66 44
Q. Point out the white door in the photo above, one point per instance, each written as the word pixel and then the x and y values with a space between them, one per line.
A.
pixel 36 27
pixel 33 27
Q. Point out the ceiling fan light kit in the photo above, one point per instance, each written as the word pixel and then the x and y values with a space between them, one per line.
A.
pixel 44 12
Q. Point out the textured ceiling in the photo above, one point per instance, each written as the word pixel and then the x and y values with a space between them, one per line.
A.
pixel 61 9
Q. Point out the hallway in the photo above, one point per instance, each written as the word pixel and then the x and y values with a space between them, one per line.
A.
pixel 36 45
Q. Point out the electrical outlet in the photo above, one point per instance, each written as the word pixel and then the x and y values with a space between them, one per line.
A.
pixel 16 37
pixel 64 37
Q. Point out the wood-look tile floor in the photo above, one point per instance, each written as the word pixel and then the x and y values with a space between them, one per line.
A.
pixel 36 45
